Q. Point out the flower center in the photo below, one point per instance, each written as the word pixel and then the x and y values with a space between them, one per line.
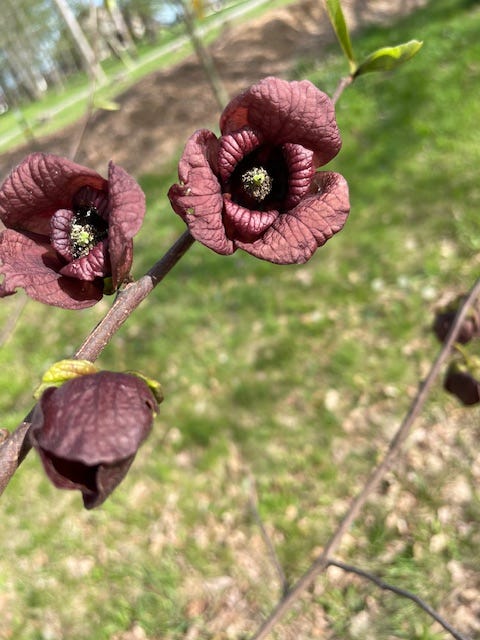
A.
pixel 260 179
pixel 257 183
pixel 88 229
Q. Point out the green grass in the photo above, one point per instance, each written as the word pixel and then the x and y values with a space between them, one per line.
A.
pixel 295 376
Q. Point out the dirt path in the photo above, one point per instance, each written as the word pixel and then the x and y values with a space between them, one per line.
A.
pixel 161 110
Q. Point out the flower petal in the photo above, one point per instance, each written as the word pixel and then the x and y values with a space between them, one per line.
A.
pixel 300 172
pixel 233 148
pixel 38 186
pixel 198 198
pixel 31 263
pixel 127 210
pixel 284 111
pixel 246 224
pixel 295 235
pixel 94 265
pixel 97 418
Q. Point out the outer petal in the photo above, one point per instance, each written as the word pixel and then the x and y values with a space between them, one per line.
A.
pixel 31 263
pixel 284 111
pixel 295 235
pixel 198 198
pixel 98 418
pixel 41 184
pixel 127 210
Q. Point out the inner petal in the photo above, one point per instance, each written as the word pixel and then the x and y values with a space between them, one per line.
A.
pixel 301 169
pixel 245 224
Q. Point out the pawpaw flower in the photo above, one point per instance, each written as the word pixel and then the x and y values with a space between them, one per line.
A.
pixel 445 317
pixel 256 187
pixel 463 383
pixel 67 230
pixel 88 431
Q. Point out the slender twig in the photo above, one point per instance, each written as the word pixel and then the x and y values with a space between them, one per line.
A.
pixel 14 449
pixel 253 504
pixel 129 299
pixel 342 85
pixel 400 592
pixel 321 562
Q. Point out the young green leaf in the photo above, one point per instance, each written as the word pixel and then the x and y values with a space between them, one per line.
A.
pixel 335 13
pixel 388 58
pixel 62 371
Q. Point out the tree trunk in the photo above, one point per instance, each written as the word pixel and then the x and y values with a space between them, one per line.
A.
pixel 91 64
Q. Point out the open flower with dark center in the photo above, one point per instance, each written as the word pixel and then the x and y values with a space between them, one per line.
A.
pixel 88 431
pixel 256 187
pixel 67 229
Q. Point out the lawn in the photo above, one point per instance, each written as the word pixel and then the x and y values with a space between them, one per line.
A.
pixel 287 381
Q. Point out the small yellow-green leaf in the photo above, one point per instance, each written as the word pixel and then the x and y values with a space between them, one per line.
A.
pixel 62 371
pixel 105 104
pixel 335 13
pixel 155 386
pixel 388 58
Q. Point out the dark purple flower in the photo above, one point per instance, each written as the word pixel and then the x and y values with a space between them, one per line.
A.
pixel 444 320
pixel 460 382
pixel 88 431
pixel 67 229
pixel 256 187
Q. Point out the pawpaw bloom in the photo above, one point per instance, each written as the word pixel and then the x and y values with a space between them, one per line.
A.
pixel 257 187
pixel 445 317
pixel 88 431
pixel 67 230
pixel 462 383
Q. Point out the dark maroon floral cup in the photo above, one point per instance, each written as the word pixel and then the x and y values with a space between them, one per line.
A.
pixel 462 383
pixel 88 431
pixel 256 187
pixel 68 229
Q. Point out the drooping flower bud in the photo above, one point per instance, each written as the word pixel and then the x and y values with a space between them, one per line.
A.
pixel 88 431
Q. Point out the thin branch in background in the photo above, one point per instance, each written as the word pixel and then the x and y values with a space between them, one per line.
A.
pixel 253 504
pixel 342 85
pixel 206 60
pixel 92 85
pixel 321 562
pixel 400 592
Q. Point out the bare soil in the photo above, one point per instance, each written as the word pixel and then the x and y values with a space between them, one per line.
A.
pixel 164 108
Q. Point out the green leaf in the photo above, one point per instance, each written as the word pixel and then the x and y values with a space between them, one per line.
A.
pixel 154 385
pixel 105 104
pixel 388 58
pixel 335 13
pixel 62 371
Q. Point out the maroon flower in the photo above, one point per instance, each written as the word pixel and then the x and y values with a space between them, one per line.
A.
pixel 67 229
pixel 445 317
pixel 461 382
pixel 88 431
pixel 256 187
